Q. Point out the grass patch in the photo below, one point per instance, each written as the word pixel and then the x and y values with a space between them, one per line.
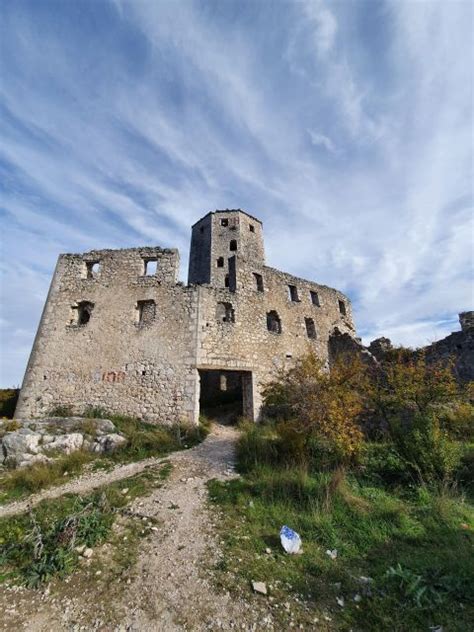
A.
pixel 416 547
pixel 144 440
pixel 37 547
pixel 28 480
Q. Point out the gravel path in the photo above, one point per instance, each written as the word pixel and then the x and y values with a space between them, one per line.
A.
pixel 171 587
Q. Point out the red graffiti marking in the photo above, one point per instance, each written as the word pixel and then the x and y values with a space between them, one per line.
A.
pixel 113 376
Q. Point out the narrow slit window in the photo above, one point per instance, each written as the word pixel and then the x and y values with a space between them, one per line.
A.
pixel 226 280
pixel 220 262
pixel 233 245
pixel 310 327
pixel 251 228
pixel 273 322
pixel 150 267
pixel 225 313
pixel 315 298
pixel 293 293
pixel 146 312
pixel 258 281
pixel 342 307
pixel 93 269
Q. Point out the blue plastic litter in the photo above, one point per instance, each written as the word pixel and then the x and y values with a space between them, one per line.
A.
pixel 290 540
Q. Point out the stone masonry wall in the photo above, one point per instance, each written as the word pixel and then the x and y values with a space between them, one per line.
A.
pixel 131 340
pixel 113 361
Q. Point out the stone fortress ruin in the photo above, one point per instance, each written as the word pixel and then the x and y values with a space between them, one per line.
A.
pixel 120 332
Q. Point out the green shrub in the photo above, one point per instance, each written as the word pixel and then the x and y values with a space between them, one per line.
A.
pixel 457 420
pixel 381 462
pixel 465 470
pixel 426 449
pixel 258 445
pixel 35 549
pixel 61 410
pixel 8 400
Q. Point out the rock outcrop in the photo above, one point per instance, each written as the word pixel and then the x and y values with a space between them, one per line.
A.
pixel 24 442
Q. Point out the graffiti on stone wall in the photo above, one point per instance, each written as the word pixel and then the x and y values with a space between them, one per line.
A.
pixel 113 376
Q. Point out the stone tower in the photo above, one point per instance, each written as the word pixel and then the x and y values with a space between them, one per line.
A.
pixel 221 243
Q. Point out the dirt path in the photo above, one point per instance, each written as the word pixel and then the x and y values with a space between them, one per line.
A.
pixel 170 587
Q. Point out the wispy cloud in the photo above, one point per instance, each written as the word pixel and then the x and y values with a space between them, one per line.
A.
pixel 344 126
pixel 321 140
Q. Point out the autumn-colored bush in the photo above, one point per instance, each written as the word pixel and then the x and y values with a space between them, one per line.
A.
pixel 457 420
pixel 315 405
pixel 320 416
pixel 408 386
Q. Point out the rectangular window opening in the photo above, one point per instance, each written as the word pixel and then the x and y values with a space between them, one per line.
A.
pixel 258 281
pixel 82 313
pixel 150 267
pixel 273 322
pixel 224 222
pixel 233 245
pixel 342 307
pixel 310 327
pixel 251 228
pixel 146 311
pixel 315 298
pixel 92 269
pixel 220 262
pixel 225 313
pixel 293 293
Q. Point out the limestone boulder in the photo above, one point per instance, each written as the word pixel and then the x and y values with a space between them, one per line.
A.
pixel 40 441
pixel 109 443
pixel 16 443
pixel 66 444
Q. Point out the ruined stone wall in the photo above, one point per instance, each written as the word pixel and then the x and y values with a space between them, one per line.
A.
pixel 458 347
pixel 244 342
pixel 114 361
pixel 128 339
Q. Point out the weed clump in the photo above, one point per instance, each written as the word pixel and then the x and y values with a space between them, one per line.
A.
pixel 47 542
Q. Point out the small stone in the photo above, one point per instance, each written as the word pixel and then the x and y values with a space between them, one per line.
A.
pixel 125 490
pixel 80 548
pixel 87 553
pixel 259 587
pixel 340 601
pixel 268 550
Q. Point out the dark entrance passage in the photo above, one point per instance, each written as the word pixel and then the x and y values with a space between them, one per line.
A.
pixel 226 395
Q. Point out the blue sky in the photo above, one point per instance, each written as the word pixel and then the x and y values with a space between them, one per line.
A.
pixel 346 127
